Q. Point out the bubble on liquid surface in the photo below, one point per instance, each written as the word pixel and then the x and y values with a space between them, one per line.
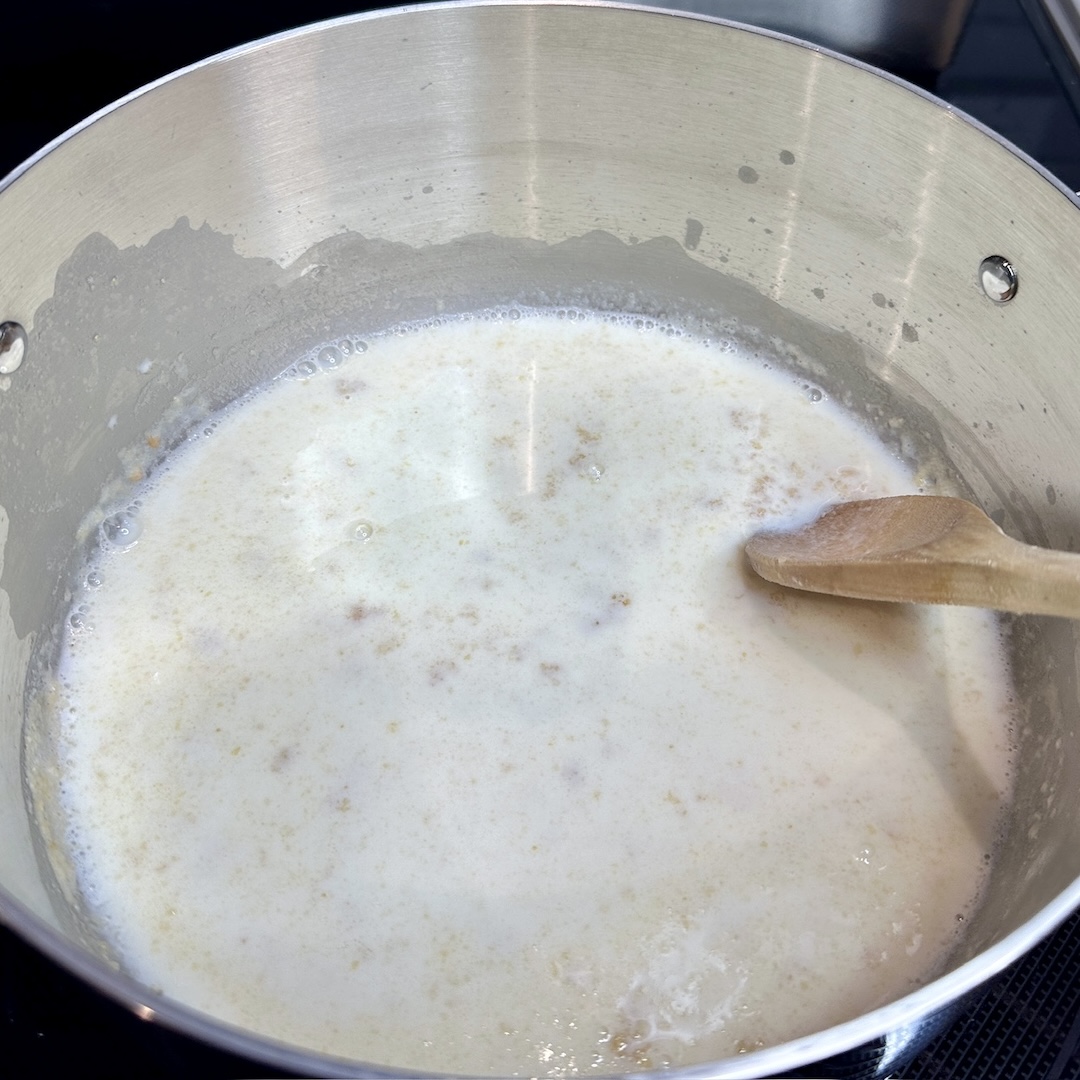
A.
pixel 121 530
pixel 330 357
pixel 363 531
pixel 306 368
pixel 814 394
pixel 593 471
pixel 94 580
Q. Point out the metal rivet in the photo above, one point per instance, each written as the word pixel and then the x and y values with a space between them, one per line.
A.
pixel 12 347
pixel 998 278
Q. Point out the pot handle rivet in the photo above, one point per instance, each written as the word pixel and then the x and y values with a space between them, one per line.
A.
pixel 12 347
pixel 998 278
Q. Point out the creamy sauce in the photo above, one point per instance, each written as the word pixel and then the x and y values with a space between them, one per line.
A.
pixel 434 720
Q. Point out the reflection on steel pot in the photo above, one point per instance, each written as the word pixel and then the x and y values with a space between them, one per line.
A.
pixel 410 164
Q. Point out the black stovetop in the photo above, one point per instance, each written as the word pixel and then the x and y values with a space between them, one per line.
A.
pixel 62 62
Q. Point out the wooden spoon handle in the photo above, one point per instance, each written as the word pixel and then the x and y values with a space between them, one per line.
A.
pixel 1003 574
pixel 1022 578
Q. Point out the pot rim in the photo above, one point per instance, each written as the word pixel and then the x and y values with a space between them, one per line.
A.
pixel 440 5
pixel 893 1022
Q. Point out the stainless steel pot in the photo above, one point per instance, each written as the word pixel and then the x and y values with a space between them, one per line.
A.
pixel 392 166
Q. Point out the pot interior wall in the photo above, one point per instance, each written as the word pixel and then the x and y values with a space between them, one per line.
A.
pixel 423 163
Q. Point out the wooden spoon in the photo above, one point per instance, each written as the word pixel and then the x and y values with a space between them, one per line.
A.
pixel 925 549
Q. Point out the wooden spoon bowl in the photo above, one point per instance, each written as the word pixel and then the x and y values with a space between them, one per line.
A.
pixel 925 549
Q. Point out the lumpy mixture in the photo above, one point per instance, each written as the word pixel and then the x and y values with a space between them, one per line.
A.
pixel 422 710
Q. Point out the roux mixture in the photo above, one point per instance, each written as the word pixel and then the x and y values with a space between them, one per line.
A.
pixel 422 710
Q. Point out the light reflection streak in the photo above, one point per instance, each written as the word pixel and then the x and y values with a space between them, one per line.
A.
pixel 935 150
pixel 791 206
pixel 532 140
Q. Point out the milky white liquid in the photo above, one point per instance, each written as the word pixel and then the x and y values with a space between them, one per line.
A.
pixel 434 719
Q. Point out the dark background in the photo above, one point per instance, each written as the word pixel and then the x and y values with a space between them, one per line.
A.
pixel 60 62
